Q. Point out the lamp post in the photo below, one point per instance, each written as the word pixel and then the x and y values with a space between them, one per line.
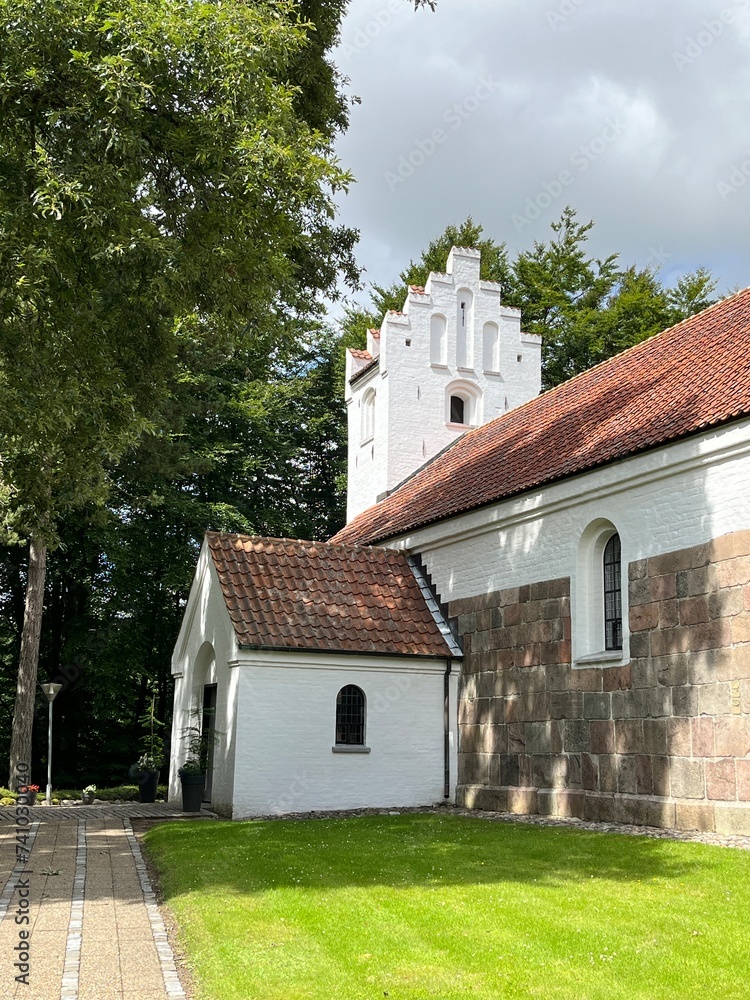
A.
pixel 51 691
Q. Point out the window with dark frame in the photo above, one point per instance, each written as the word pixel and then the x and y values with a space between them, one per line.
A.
pixel 613 594
pixel 458 410
pixel 350 716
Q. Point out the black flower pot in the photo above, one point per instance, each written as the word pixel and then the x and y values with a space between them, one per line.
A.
pixel 148 783
pixel 192 792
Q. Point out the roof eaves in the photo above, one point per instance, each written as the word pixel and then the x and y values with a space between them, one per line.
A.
pixel 363 371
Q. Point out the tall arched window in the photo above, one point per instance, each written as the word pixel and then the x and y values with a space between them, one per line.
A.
pixel 368 416
pixel 350 716
pixel 613 594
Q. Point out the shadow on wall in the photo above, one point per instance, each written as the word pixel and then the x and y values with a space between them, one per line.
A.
pixel 404 851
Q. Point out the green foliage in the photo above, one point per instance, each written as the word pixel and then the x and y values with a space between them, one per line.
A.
pixel 365 906
pixel 155 168
pixel 152 742
pixel 198 747
pixel 121 793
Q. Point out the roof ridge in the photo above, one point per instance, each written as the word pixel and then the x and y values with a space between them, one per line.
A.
pixel 346 546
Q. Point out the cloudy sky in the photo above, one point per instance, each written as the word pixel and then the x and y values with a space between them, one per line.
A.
pixel 635 112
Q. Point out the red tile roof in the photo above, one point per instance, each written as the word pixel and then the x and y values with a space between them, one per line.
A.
pixel 375 332
pixel 690 377
pixel 418 289
pixel 362 355
pixel 284 594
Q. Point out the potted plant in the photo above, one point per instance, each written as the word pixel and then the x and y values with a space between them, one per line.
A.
pixel 193 771
pixel 88 795
pixel 28 793
pixel 146 769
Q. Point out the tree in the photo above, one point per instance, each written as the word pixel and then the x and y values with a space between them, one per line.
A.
pixel 159 186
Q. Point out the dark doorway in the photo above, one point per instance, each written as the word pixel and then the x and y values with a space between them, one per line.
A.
pixel 208 727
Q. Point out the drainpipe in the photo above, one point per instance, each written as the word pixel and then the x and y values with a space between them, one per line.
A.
pixel 446 727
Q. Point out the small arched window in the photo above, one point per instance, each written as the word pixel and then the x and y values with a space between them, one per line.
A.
pixel 368 416
pixel 458 410
pixel 613 594
pixel 350 716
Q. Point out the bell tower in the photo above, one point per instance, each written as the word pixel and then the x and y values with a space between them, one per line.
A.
pixel 453 358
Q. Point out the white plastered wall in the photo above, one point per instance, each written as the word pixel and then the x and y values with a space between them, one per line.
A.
pixel 411 423
pixel 287 706
pixel 670 498
pixel 205 645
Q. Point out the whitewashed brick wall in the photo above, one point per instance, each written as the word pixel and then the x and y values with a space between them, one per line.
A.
pixel 287 712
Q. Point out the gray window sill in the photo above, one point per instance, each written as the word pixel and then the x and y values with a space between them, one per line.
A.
pixel 605 656
pixel 343 748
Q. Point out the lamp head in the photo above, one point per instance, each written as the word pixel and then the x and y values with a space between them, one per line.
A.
pixel 51 690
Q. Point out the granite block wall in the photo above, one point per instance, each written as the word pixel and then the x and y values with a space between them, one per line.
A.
pixel 662 740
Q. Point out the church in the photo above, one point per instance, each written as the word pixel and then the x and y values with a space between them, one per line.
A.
pixel 540 603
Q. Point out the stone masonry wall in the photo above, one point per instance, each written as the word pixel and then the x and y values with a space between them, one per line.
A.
pixel 663 740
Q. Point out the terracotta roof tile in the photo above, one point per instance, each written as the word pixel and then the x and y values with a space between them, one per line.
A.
pixel 418 289
pixel 362 355
pixel 375 332
pixel 365 370
pixel 285 594
pixel 690 377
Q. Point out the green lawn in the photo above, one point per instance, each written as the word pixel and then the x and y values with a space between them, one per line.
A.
pixel 418 906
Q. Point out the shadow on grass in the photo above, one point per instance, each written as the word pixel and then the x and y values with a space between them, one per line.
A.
pixel 407 851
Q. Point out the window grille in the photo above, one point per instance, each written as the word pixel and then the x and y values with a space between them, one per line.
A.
pixel 350 716
pixel 613 594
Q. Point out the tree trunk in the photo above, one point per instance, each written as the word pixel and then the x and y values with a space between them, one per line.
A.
pixel 28 662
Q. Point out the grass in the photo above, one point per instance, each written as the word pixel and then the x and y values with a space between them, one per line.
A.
pixel 421 906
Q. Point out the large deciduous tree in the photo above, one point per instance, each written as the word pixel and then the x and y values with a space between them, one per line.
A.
pixel 162 181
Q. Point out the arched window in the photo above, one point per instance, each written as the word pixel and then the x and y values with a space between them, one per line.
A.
pixel 613 594
pixel 350 716
pixel 438 340
pixel 600 626
pixel 368 416
pixel 463 404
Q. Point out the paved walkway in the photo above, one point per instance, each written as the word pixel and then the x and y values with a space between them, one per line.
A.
pixel 83 906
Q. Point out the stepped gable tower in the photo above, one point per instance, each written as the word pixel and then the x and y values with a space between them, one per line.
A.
pixel 454 358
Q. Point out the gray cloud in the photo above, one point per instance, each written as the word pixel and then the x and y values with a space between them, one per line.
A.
pixel 639 113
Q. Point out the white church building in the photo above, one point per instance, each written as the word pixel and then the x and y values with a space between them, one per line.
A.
pixel 540 603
